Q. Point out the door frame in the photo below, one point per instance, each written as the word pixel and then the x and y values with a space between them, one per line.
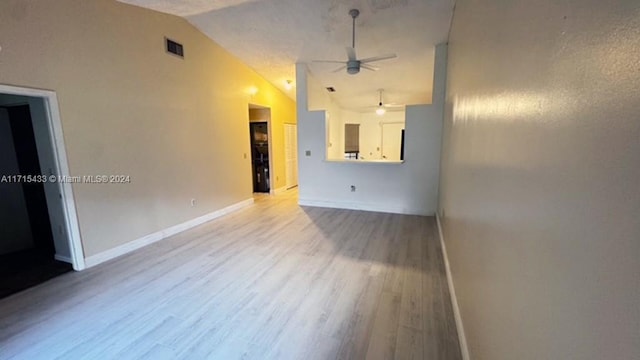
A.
pixel 52 112
pixel 272 189
pixel 252 124
pixel 287 185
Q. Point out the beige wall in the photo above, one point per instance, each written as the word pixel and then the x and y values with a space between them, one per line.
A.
pixel 178 127
pixel 540 177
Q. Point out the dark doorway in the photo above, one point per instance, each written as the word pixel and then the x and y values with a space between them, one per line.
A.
pixel 27 247
pixel 260 156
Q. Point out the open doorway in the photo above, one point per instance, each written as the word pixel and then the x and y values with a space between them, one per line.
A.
pixel 392 141
pixel 39 237
pixel 261 144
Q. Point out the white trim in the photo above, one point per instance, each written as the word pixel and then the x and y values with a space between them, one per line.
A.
pixel 464 349
pixel 162 234
pixel 60 158
pixel 66 259
pixel 278 190
pixel 360 206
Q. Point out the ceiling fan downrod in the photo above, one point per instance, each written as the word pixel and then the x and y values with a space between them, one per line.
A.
pixel 354 14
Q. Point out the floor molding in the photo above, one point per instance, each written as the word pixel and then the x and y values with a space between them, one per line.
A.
pixel 278 190
pixel 162 234
pixel 464 349
pixel 361 206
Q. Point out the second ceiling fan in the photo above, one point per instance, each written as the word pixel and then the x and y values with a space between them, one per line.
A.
pixel 353 64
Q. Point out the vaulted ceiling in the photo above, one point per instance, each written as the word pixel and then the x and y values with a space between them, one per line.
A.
pixel 272 35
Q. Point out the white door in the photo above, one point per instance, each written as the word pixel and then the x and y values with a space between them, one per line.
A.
pixel 291 154
pixel 391 140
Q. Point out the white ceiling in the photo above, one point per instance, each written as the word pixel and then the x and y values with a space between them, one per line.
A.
pixel 272 35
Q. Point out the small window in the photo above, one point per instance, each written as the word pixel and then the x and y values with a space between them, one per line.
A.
pixel 351 141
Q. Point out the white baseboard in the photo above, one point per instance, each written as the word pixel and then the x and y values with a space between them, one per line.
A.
pixel 363 206
pixel 278 190
pixel 454 300
pixel 62 258
pixel 162 234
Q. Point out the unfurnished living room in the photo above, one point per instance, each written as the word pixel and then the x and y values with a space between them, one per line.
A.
pixel 319 179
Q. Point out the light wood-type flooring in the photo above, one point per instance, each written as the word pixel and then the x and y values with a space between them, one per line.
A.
pixel 271 281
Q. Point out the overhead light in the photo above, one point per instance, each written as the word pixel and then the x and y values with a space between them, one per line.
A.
pixel 288 85
pixel 252 90
pixel 380 110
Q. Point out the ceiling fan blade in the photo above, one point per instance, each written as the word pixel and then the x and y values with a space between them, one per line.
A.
pixel 340 69
pixel 369 67
pixel 378 58
pixel 393 106
pixel 328 61
pixel 351 53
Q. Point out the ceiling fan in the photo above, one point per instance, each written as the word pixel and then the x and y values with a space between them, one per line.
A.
pixel 353 64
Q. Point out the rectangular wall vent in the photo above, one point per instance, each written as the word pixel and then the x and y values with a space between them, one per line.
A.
pixel 174 48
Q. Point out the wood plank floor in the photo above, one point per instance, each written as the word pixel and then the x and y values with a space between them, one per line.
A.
pixel 272 281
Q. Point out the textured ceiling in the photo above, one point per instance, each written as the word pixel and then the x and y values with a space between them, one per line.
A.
pixel 272 35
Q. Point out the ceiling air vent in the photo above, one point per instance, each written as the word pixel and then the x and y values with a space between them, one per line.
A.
pixel 331 89
pixel 174 48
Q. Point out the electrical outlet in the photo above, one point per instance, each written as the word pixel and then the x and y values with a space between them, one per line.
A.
pixel 353 188
pixel 193 202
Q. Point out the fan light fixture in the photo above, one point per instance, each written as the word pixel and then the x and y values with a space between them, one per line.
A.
pixel 380 110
